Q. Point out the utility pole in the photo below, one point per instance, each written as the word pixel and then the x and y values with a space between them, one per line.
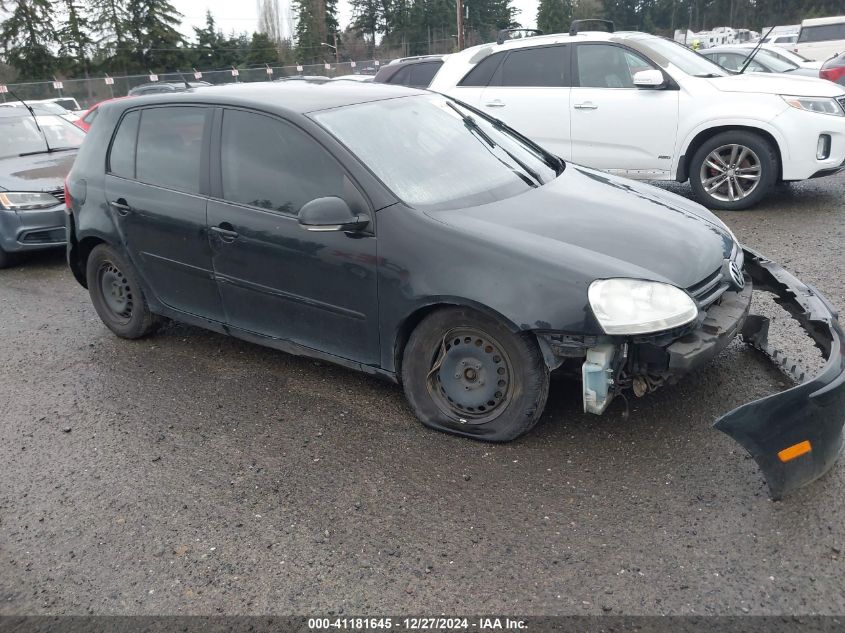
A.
pixel 459 6
pixel 336 51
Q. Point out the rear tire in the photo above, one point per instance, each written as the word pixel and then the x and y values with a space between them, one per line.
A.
pixel 733 170
pixel 467 374
pixel 5 259
pixel 117 295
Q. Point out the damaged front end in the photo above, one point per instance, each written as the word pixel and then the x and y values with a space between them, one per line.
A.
pixel 796 435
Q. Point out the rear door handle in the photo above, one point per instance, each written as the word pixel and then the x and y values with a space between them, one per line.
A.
pixel 495 103
pixel 587 105
pixel 225 231
pixel 120 206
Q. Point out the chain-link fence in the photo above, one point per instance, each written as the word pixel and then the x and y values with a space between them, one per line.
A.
pixel 91 90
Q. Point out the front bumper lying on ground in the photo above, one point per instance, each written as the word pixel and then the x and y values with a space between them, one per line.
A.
pixel 795 436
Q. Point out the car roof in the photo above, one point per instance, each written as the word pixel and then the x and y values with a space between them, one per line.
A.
pixel 823 21
pixel 283 96
pixel 561 38
pixel 417 59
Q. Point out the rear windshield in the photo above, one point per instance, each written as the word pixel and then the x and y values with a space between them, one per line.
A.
pixel 822 33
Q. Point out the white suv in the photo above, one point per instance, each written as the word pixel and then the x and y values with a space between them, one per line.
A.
pixel 646 107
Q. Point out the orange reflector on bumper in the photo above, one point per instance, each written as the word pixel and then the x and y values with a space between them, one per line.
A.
pixel 796 450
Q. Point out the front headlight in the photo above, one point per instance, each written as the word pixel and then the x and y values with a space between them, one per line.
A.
pixel 819 105
pixel 26 200
pixel 634 306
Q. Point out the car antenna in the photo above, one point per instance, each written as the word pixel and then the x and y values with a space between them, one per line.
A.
pixel 755 51
pixel 34 118
pixel 185 81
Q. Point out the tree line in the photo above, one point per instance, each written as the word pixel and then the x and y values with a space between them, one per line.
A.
pixel 45 38
pixel 665 16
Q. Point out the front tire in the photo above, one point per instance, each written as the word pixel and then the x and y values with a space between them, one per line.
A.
pixel 116 294
pixel 4 259
pixel 733 170
pixel 467 374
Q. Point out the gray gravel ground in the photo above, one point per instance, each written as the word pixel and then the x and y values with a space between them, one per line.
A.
pixel 192 473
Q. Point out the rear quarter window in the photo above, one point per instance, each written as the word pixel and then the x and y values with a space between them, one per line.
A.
pixel 122 154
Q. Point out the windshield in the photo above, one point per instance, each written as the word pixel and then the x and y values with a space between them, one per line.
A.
pixel 664 52
pixel 434 153
pixel 774 63
pixel 21 136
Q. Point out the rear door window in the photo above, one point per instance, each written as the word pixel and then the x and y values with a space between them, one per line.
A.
pixel 483 72
pixel 170 143
pixel 545 66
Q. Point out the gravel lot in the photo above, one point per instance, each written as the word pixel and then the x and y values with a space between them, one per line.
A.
pixel 190 473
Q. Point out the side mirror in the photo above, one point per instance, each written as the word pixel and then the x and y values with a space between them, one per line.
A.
pixel 649 79
pixel 330 214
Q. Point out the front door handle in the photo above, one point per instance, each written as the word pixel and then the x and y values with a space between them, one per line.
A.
pixel 120 206
pixel 495 103
pixel 225 231
pixel 587 105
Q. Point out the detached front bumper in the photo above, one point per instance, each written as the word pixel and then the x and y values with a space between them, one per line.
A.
pixel 795 436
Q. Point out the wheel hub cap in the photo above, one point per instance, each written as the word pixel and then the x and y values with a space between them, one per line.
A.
pixel 731 172
pixel 470 375
pixel 116 291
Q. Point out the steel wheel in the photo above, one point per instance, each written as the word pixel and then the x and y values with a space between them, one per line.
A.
pixel 470 376
pixel 730 172
pixel 116 291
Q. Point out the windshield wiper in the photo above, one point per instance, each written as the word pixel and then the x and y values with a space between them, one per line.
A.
pixel 49 150
pixel 476 129
pixel 708 76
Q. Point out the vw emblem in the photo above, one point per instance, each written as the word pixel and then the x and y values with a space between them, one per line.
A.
pixel 736 275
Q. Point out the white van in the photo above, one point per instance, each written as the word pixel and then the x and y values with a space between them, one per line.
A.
pixel 821 38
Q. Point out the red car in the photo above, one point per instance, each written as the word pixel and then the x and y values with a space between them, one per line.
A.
pixel 90 114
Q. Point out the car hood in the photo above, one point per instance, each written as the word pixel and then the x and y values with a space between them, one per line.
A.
pixel 777 84
pixel 37 172
pixel 599 225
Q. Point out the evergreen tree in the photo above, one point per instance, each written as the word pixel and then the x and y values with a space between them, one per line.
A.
pixel 75 42
pixel 316 22
pixel 367 20
pixel 554 16
pixel 109 22
pixel 209 42
pixel 262 50
pixel 157 43
pixel 28 37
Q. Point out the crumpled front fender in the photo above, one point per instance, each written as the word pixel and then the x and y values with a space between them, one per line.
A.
pixel 795 436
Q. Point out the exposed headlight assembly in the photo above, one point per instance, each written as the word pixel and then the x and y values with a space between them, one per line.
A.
pixel 819 105
pixel 26 200
pixel 634 306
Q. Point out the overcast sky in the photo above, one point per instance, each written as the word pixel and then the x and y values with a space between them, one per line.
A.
pixel 243 15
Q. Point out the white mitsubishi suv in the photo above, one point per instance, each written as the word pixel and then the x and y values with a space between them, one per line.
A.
pixel 646 107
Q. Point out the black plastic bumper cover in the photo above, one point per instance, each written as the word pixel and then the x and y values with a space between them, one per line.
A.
pixel 795 436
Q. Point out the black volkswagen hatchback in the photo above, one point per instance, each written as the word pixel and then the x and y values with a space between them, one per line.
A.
pixel 405 234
